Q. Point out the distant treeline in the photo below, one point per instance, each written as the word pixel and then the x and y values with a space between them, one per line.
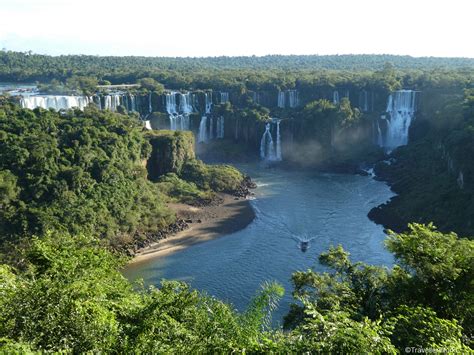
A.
pixel 266 72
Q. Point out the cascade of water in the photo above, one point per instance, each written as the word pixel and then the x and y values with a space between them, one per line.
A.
pixel 208 101
pixel 111 102
pixel 293 99
pixel 379 135
pixel 278 142
pixel 335 97
pixel 281 99
pixel 98 102
pixel 107 102
pixel 363 101
pixel 185 105
pixel 224 97
pixel 133 103
pixel 173 125
pixel 56 102
pixel 211 129
pixel 267 150
pixel 179 116
pixel 126 102
pixel 150 109
pixel 202 136
pixel 220 127
pixel 115 102
pixel 148 125
pixel 171 103
pixel 401 109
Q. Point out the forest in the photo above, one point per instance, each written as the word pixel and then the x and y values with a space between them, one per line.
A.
pixel 79 190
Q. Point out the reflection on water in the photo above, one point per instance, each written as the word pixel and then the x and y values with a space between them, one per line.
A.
pixel 298 216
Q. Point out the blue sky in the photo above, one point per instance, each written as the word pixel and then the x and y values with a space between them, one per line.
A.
pixel 238 27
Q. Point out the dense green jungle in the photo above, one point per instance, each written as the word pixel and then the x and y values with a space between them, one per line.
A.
pixel 83 188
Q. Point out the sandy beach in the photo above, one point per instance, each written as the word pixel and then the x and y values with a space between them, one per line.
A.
pixel 207 222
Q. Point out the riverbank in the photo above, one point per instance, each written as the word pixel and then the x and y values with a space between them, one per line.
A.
pixel 230 215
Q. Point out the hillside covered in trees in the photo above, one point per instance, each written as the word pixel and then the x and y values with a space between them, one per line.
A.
pixel 80 189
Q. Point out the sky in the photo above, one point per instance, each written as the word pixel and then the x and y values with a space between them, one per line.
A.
pixel 238 27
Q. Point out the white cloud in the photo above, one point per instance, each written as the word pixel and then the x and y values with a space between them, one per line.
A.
pixel 244 27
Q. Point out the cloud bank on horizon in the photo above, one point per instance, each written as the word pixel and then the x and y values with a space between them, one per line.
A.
pixel 238 27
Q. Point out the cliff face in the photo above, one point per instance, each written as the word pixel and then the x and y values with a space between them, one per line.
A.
pixel 170 150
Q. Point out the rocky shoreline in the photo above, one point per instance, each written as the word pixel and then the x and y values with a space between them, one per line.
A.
pixel 198 216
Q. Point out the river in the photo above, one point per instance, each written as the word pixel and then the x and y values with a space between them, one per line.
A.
pixel 324 209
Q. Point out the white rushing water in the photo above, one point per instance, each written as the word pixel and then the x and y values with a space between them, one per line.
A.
pixel 147 125
pixel 111 102
pixel 56 102
pixel 208 101
pixel 204 131
pixel 281 99
pixel 379 135
pixel 364 101
pixel 65 102
pixel 220 127
pixel 401 107
pixel 278 142
pixel 202 135
pixel 293 99
pixel 289 97
pixel 267 151
pixel 150 109
pixel 335 97
pixel 270 150
pixel 211 128
pixel 179 114
pixel 224 97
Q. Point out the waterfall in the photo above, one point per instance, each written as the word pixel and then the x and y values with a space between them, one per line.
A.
pixel 185 103
pixel 111 102
pixel 171 103
pixel 220 127
pixel 98 102
pixel 278 142
pixel 206 134
pixel 281 99
pixel 150 109
pixel 208 101
pixel 147 125
pixel 179 116
pixel 56 102
pixel 290 96
pixel 211 128
pixel 267 150
pixel 379 135
pixel 202 136
pixel 335 97
pixel 224 97
pixel 401 111
pixel 363 101
pixel 293 98
pixel 131 103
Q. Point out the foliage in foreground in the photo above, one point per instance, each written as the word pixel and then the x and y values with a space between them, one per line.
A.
pixel 67 294
pixel 424 301
pixel 70 296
